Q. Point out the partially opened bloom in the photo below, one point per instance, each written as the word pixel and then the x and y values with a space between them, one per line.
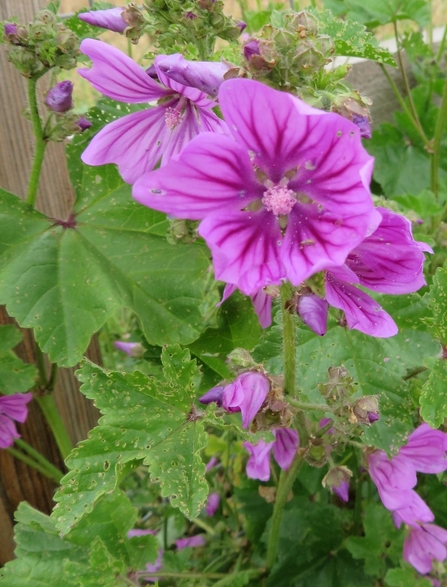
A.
pixel 423 544
pixel 286 197
pixel 59 97
pixel 285 446
pixel 258 464
pixel 138 141
pixel 110 19
pixel 246 394
pixel 12 408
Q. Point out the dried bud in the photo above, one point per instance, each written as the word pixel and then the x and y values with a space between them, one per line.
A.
pixel 337 481
pixel 110 19
pixel 59 97
pixel 339 385
pixel 239 359
pixel 366 409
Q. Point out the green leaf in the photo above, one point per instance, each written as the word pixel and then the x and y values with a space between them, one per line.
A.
pixel 65 282
pixel 379 12
pixel 143 419
pixel 433 397
pixel 15 375
pixel 54 6
pixel 438 305
pixel 381 544
pixel 406 577
pixel 424 204
pixel 351 39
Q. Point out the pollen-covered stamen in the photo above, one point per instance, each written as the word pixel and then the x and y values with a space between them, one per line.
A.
pixel 279 200
pixel 172 117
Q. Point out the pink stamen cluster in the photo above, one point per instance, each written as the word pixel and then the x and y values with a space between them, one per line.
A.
pixel 172 117
pixel 279 200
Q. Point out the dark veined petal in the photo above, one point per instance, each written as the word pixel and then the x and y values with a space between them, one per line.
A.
pixel 245 248
pixel 117 76
pixel 390 260
pixel 212 174
pixel 134 142
pixel 361 311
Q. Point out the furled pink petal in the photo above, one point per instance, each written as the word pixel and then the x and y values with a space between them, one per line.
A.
pixel 414 512
pixel 213 395
pixel 117 76
pixel 245 248
pixel 140 532
pixel 59 97
pixel 247 393
pixel 390 260
pixel 313 311
pixel 361 311
pixel 285 446
pixel 423 544
pixel 258 464
pixel 203 75
pixel 197 540
pixel 8 432
pixel 212 504
pixel 135 142
pixel 213 174
pixel 107 19
pixel 126 347
pixel 211 463
pixel 342 490
pixel 393 478
pixel 263 307
pixel 14 406
pixel 426 450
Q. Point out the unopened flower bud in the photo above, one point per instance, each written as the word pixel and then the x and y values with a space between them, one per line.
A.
pixel 366 409
pixel 212 504
pixel 59 98
pixel 10 28
pixel 110 19
pixel 242 25
pixel 251 48
pixel 133 349
pixel 363 123
pixel 337 481
pixel 83 123
pixel 313 311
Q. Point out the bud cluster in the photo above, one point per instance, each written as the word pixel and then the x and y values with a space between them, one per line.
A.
pixel 62 122
pixel 39 46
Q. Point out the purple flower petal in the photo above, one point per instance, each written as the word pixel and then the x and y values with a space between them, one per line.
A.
pixel 140 532
pixel 390 260
pixel 206 76
pixel 342 490
pixel 258 464
pixel 245 249
pixel 247 393
pixel 126 347
pixel 8 432
pixel 426 450
pixel 263 307
pixel 313 311
pixel 197 540
pixel 117 76
pixel 107 19
pixel 212 504
pixel 14 406
pixel 83 123
pixel 213 174
pixel 285 446
pixel 393 478
pixel 213 395
pixel 423 544
pixel 361 311
pixel 59 97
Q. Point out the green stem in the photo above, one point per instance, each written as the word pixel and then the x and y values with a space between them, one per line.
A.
pixel 439 129
pixel 56 474
pixel 441 45
pixel 208 529
pixel 40 143
pixel 166 574
pixel 305 406
pixel 32 463
pixel 289 334
pixel 286 480
pixel 51 413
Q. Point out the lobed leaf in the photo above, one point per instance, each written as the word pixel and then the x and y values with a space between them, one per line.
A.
pixel 15 375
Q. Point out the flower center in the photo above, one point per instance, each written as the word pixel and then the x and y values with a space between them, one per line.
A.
pixel 279 200
pixel 172 117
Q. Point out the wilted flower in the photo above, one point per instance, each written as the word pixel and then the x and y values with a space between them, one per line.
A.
pixel 59 98
pixel 212 504
pixel 366 409
pixel 197 540
pixel 138 141
pixel 287 197
pixel 110 19
pixel 423 544
pixel 12 407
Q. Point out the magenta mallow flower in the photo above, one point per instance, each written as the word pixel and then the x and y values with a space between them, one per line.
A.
pixel 212 504
pixel 426 450
pixel 388 261
pixel 206 76
pixel 12 407
pixel 110 19
pixel 284 447
pixel 286 197
pixel 423 544
pixel 59 97
pixel 138 141
pixel 197 540
pixel 246 395
pixel 10 28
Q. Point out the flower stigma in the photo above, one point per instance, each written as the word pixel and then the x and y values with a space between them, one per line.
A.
pixel 279 200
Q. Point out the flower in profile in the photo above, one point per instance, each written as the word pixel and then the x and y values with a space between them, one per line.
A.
pixel 197 540
pixel 286 197
pixel 337 480
pixel 138 141
pixel 110 19
pixel 258 464
pixel 59 97
pixel 133 349
pixel 285 446
pixel 423 544
pixel 212 504
pixel 12 408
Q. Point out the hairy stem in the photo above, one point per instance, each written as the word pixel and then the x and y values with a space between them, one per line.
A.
pixel 48 406
pixel 40 144
pixel 35 454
